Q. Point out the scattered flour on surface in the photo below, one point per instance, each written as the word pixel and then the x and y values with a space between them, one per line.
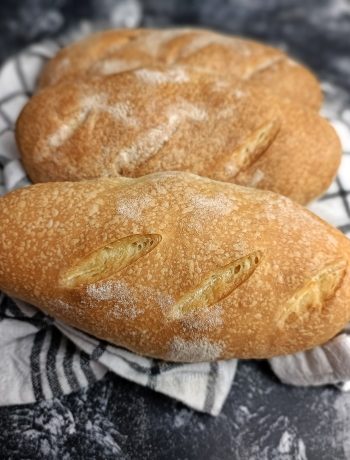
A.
pixel 342 422
pixel 286 443
pixel 182 418
pixel 291 447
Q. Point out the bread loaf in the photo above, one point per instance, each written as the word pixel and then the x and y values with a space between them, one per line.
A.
pixel 175 266
pixel 115 51
pixel 176 118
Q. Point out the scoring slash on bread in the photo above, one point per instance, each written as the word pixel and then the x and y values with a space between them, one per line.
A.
pixel 176 118
pixel 116 51
pixel 175 266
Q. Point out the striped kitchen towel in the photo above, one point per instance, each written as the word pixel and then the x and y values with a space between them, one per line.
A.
pixel 42 358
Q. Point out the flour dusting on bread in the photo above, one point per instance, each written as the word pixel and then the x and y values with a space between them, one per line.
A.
pixel 112 65
pixel 156 286
pixel 256 178
pixel 264 65
pixel 152 141
pixel 194 350
pixel 89 105
pixel 219 204
pixel 110 290
pixel 153 41
pixel 157 77
pixel 204 319
pixel 67 129
pixel 118 292
pixel 199 42
pixel 132 207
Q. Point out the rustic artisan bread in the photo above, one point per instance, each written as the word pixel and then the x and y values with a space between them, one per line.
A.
pixel 176 266
pixel 176 118
pixel 115 51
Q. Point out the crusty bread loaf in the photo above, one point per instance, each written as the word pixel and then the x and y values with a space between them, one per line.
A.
pixel 176 266
pixel 115 51
pixel 176 118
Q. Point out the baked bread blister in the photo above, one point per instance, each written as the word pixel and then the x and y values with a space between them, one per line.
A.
pixel 177 267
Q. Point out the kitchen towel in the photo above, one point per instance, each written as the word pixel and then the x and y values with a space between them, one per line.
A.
pixel 42 358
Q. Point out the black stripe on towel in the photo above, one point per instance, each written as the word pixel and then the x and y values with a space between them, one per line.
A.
pixel 13 309
pixel 68 366
pixel 45 319
pixel 38 320
pixel 13 95
pixel 35 364
pixel 98 351
pixel 330 196
pixel 342 194
pixel 211 385
pixel 85 367
pixel 4 160
pixel 165 367
pixel 344 228
pixel 6 119
pixel 4 130
pixel 154 371
pixel 2 305
pixel 135 366
pixel 51 368
pixel 20 73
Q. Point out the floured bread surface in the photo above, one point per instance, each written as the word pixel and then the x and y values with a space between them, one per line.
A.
pixel 116 51
pixel 175 266
pixel 175 118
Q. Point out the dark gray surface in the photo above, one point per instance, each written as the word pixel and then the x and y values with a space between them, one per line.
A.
pixel 262 418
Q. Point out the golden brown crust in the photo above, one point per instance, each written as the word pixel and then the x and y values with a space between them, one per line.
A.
pixel 176 118
pixel 234 271
pixel 308 170
pixel 124 49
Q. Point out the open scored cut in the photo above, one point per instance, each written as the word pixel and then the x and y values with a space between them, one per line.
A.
pixel 249 151
pixel 217 285
pixel 108 260
pixel 312 296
